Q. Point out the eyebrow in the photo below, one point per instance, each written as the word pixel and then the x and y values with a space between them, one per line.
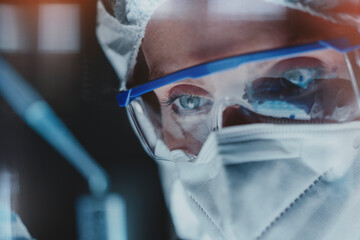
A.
pixel 156 73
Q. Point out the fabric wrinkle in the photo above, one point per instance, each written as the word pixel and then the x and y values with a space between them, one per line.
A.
pixel 303 194
pixel 206 214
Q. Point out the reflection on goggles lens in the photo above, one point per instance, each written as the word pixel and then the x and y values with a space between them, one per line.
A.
pixel 321 99
pixel 315 88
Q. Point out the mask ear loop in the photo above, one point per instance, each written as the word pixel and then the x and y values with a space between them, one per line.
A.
pixel 136 113
pixel 353 63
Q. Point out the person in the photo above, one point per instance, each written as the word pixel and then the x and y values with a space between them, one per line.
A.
pixel 250 109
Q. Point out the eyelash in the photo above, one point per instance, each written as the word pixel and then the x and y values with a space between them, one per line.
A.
pixel 171 98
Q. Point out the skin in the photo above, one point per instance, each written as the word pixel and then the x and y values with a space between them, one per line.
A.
pixel 185 33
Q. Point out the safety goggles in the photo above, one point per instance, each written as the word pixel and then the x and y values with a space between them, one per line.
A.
pixel 310 83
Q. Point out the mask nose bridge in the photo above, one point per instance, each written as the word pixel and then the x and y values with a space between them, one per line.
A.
pixel 220 106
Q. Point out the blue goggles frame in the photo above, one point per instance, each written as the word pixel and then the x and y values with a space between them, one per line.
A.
pixel 342 45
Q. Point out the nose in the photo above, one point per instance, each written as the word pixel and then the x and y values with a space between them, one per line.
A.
pixel 236 115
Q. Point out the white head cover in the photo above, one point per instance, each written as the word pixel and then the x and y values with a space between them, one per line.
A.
pixel 122 24
pixel 120 31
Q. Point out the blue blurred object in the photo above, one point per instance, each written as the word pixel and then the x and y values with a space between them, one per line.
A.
pixel 11 226
pixel 101 216
pixel 28 104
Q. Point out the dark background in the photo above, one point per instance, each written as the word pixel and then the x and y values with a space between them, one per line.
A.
pixel 80 86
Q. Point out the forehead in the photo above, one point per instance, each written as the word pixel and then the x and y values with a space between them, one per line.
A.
pixel 185 33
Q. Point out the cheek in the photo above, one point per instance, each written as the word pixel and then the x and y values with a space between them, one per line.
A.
pixel 187 135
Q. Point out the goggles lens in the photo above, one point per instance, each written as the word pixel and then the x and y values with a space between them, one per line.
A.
pixel 313 87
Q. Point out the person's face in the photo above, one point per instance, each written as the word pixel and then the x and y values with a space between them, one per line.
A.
pixel 185 33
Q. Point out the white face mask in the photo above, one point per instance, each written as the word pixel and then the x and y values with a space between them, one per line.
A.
pixel 264 181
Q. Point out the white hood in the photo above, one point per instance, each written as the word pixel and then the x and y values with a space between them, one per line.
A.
pixel 120 31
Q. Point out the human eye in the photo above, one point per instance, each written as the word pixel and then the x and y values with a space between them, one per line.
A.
pixel 290 84
pixel 190 104
pixel 291 74
pixel 303 90
pixel 301 77
pixel 188 100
